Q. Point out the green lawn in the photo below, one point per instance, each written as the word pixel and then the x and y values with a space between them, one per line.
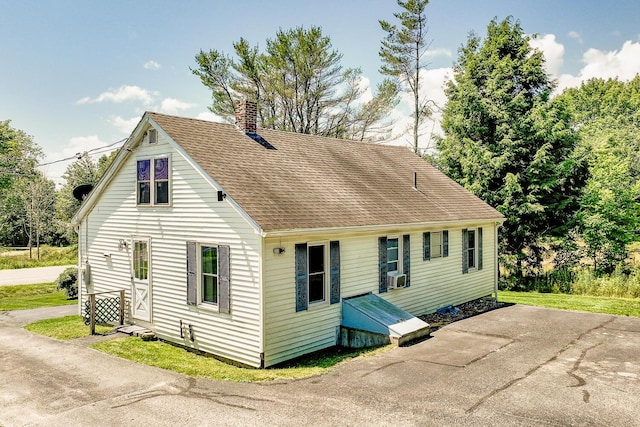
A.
pixel 178 359
pixel 618 306
pixel 22 297
pixel 64 328
pixel 167 356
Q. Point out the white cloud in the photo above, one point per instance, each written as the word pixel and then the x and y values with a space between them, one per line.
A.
pixel 75 147
pixel 623 64
pixel 121 94
pixel 125 126
pixel 210 117
pixel 172 106
pixel 432 53
pixel 576 36
pixel 152 65
pixel 552 50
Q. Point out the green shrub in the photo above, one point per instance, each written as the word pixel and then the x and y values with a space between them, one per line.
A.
pixel 68 281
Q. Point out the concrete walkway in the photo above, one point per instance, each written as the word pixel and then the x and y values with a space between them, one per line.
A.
pixel 28 276
pixel 519 365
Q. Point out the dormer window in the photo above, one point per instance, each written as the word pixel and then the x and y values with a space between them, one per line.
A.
pixel 153 181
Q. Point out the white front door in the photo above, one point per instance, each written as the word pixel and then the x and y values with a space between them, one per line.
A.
pixel 141 280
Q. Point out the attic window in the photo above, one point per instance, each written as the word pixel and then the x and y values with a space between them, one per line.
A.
pixel 153 136
pixel 153 181
pixel 260 140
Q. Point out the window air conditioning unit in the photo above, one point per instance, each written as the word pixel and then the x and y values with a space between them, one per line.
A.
pixel 396 280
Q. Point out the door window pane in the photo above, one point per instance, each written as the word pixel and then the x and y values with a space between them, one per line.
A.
pixel 140 260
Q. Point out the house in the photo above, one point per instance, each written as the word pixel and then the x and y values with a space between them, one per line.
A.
pixel 244 243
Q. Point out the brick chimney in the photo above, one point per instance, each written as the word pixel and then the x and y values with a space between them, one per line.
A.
pixel 246 116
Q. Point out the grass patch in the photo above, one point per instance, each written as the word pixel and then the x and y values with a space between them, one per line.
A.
pixel 49 256
pixel 22 297
pixel 591 304
pixel 178 359
pixel 64 328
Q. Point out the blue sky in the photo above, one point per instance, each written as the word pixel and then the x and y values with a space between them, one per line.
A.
pixel 78 75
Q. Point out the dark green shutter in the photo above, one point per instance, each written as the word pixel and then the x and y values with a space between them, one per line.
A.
pixel 382 264
pixel 445 243
pixel 192 277
pixel 406 258
pixel 223 279
pixel 334 271
pixel 479 246
pixel 465 251
pixel 426 246
pixel 301 277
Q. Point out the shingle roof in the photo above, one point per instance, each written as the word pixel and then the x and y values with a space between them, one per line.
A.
pixel 308 181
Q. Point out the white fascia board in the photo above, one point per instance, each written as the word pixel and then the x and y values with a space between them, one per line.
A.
pixel 383 227
pixel 214 184
pixel 114 167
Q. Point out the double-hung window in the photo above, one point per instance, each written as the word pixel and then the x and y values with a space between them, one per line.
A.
pixel 209 274
pixel 435 244
pixel 392 255
pixel 153 181
pixel 317 273
pixel 471 249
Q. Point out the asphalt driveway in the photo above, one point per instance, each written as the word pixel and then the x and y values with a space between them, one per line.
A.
pixel 514 366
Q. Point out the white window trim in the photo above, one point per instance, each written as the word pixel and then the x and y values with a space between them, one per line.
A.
pixel 400 254
pixel 475 249
pixel 152 182
pixel 206 305
pixel 325 302
pixel 439 232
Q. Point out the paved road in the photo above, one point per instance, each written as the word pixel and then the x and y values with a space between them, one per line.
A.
pixel 27 276
pixel 519 365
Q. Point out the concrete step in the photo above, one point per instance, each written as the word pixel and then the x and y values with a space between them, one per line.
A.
pixel 137 331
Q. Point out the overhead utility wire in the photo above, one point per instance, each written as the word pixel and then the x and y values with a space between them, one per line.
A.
pixel 79 155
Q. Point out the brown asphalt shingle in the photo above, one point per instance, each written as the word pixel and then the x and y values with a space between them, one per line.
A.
pixel 315 182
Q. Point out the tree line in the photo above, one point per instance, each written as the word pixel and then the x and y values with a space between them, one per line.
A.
pixel 562 168
pixel 32 210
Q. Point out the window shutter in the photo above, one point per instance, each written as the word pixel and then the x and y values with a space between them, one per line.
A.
pixel 382 259
pixel 301 277
pixel 426 246
pixel 334 271
pixel 406 258
pixel 192 278
pixel 479 245
pixel 224 289
pixel 445 243
pixel 465 250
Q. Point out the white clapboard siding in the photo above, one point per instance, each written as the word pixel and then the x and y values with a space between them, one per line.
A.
pixel 194 215
pixel 434 284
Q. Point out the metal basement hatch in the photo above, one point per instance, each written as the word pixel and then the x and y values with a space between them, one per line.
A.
pixel 372 314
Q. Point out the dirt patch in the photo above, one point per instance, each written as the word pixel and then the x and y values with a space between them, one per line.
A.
pixel 451 314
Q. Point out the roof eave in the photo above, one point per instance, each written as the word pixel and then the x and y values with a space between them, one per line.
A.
pixel 382 227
